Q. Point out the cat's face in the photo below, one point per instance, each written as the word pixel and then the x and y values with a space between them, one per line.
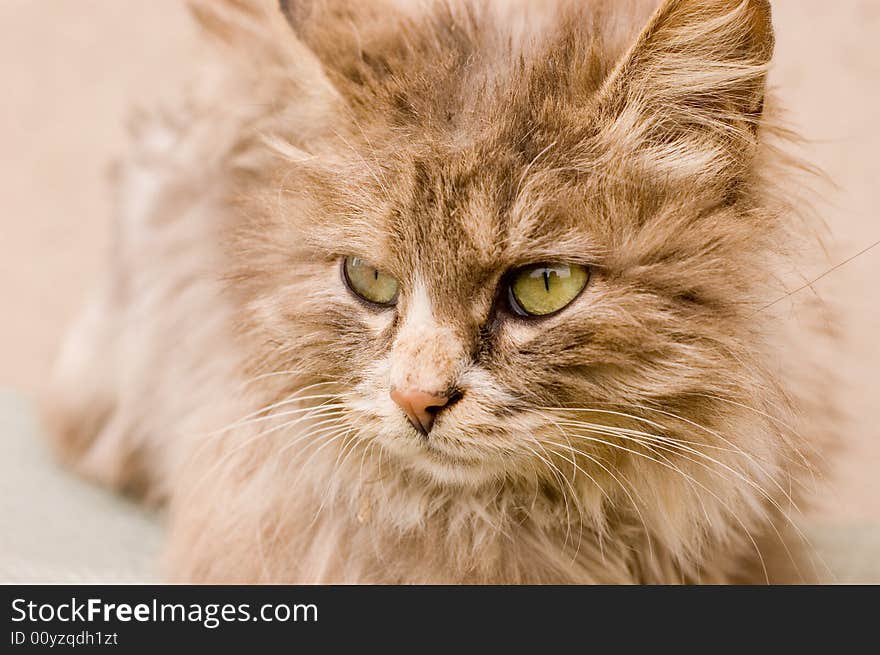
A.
pixel 504 261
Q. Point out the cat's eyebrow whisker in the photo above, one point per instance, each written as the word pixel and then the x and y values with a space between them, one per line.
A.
pixel 370 168
pixel 370 145
pixel 528 168
pixel 810 284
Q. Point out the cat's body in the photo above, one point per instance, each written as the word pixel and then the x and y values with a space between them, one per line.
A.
pixel 642 434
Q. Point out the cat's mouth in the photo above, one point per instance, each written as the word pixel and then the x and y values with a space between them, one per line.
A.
pixel 443 456
pixel 445 463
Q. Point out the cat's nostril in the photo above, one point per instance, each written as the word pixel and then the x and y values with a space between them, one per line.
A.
pixel 422 407
pixel 453 398
pixel 449 400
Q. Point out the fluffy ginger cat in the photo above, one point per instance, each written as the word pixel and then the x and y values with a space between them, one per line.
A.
pixel 453 292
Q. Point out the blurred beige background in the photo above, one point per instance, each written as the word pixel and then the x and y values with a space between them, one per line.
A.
pixel 71 70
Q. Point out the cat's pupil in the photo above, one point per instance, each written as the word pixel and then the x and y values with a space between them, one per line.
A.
pixel 547 280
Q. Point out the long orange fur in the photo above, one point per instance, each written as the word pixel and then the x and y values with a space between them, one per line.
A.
pixel 645 434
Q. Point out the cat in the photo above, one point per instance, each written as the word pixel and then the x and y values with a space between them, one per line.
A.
pixel 455 292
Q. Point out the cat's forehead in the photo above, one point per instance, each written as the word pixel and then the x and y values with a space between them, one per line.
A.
pixel 462 216
pixel 464 159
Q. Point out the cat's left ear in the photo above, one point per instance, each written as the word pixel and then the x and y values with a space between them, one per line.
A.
pixel 698 69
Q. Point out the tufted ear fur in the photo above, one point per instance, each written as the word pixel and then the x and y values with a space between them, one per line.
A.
pixel 694 80
pixel 355 41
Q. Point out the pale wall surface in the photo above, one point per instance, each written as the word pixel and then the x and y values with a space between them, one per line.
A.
pixel 71 70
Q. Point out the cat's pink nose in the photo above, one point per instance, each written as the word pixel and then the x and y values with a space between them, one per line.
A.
pixel 421 407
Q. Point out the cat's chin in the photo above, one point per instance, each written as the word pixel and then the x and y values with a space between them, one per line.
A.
pixel 446 471
pixel 442 467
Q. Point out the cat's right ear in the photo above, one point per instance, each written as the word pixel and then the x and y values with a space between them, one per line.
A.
pixel 335 30
pixel 328 27
pixel 259 34
pixel 300 13
pixel 356 41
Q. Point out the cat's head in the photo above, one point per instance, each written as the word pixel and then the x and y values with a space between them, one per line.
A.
pixel 507 244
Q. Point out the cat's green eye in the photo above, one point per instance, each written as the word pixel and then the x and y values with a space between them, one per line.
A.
pixel 542 289
pixel 368 282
